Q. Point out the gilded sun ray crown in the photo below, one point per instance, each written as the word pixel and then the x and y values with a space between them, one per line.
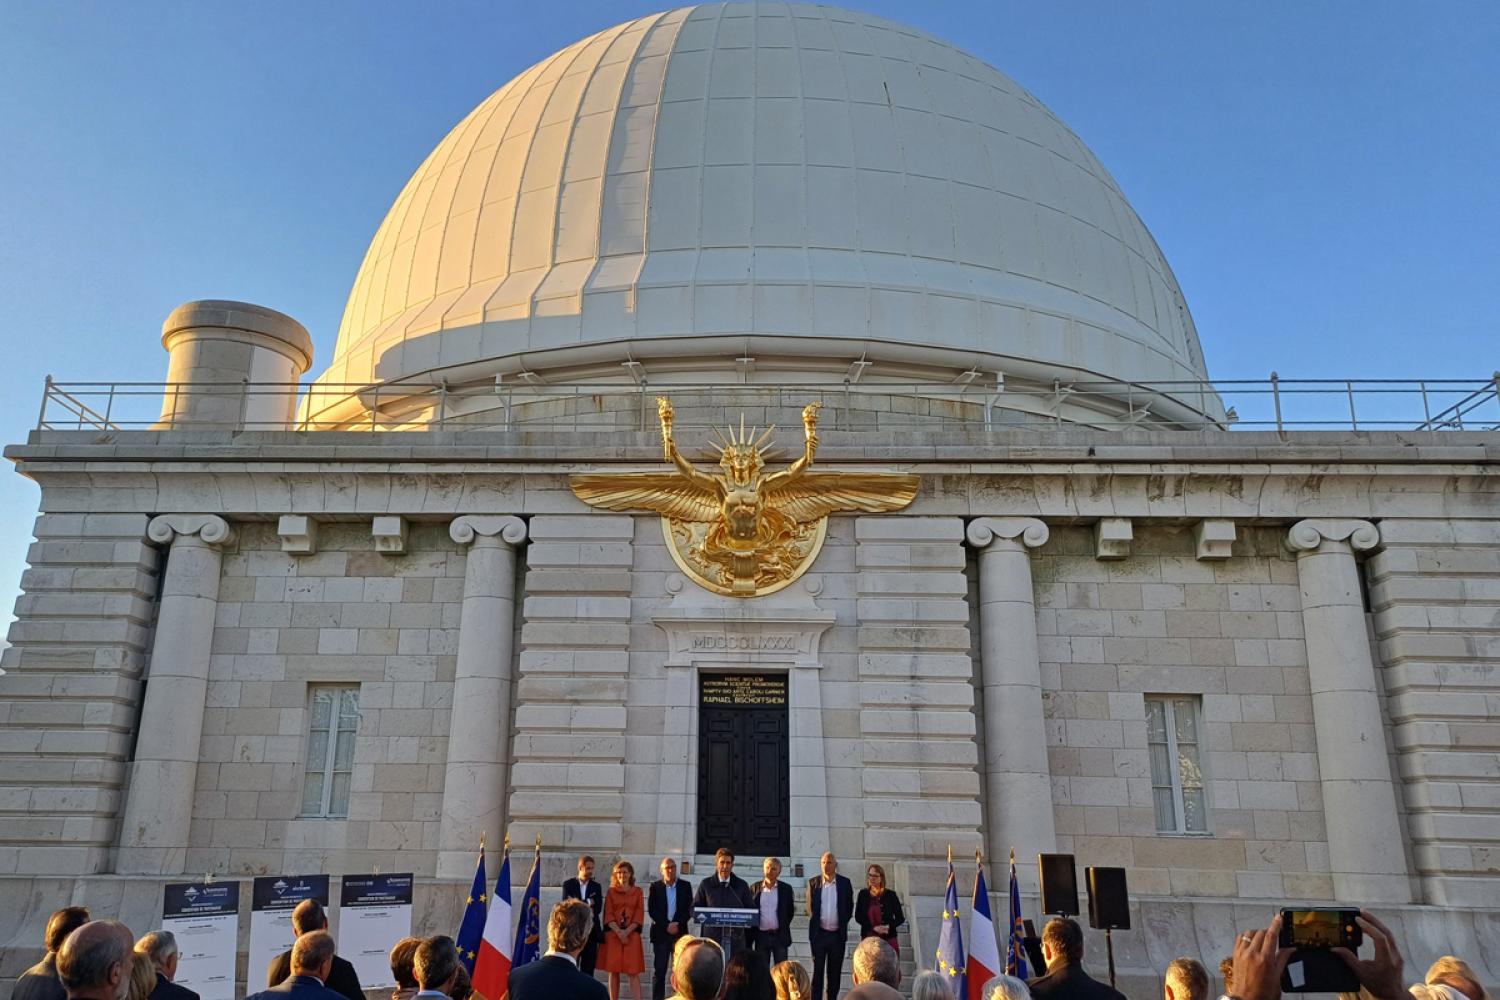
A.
pixel 742 531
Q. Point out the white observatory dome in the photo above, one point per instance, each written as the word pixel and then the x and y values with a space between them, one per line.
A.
pixel 774 181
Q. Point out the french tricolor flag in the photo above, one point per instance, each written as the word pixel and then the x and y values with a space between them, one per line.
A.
pixel 984 955
pixel 492 967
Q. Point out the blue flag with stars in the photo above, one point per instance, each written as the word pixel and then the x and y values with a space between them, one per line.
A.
pixel 950 950
pixel 471 929
pixel 528 946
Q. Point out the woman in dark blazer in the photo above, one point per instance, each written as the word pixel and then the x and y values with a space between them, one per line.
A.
pixel 878 909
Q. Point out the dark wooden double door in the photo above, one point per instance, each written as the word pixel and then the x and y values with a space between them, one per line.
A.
pixel 744 777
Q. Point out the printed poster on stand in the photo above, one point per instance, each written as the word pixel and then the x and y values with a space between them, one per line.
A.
pixel 271 903
pixel 374 913
pixel 205 919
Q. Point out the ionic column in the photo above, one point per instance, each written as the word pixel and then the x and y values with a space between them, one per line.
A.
pixel 475 782
pixel 159 802
pixel 1359 801
pixel 1017 780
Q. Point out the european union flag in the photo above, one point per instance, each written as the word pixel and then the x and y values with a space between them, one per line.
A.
pixel 471 929
pixel 528 946
pixel 950 949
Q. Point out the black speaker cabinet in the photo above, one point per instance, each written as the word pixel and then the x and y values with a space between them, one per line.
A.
pixel 1109 901
pixel 1059 884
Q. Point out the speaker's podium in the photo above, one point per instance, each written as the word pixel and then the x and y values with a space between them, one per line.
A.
pixel 726 925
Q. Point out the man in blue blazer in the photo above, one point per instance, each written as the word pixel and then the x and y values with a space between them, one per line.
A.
pixel 556 975
pixel 584 887
pixel 435 966
pixel 772 934
pixel 670 905
pixel 312 960
pixel 830 905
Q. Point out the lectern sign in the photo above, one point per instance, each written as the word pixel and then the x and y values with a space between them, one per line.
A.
pixel 744 690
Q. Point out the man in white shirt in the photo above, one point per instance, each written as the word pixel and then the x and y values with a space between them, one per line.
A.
pixel 772 936
pixel 830 905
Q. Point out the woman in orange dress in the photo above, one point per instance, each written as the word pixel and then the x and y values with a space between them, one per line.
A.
pixel 624 914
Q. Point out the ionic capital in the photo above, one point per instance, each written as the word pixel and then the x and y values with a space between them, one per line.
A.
pixel 509 529
pixel 210 529
pixel 1307 536
pixel 1029 532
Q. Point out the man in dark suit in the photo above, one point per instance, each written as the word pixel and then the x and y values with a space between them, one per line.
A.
pixel 556 975
pixel 1062 947
pixel 311 964
pixel 40 982
pixel 830 905
pixel 585 888
pixel 94 961
pixel 724 888
pixel 772 934
pixel 309 916
pixel 670 904
pixel 161 948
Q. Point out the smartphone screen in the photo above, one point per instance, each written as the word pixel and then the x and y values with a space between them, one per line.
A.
pixel 1320 928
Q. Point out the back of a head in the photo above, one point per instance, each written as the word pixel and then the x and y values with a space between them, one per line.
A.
pixel 699 972
pixel 1187 979
pixel 747 978
pixel 463 986
pixel 568 927
pixel 1008 988
pixel 311 952
pixel 791 981
pixel 876 961
pixel 1064 937
pixel 931 985
pixel 435 962
pixel 89 954
pixel 142 976
pixel 62 923
pixel 403 953
pixel 1435 991
pixel 309 915
pixel 1450 970
pixel 159 946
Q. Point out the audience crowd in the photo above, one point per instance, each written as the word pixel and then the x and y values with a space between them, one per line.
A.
pixel 100 960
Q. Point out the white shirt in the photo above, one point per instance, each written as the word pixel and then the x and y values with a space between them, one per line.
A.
pixel 560 954
pixel 829 905
pixel 769 894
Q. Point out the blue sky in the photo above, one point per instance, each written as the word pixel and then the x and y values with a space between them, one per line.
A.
pixel 1322 177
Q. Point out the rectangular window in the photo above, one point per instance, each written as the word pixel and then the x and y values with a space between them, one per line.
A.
pixel 334 714
pixel 1172 734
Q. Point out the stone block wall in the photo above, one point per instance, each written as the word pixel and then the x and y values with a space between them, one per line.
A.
pixel 920 778
pixel 71 689
pixel 1434 587
pixel 568 777
pixel 343 615
pixel 1162 622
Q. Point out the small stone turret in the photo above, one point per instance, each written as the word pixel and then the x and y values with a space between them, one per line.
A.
pixel 227 361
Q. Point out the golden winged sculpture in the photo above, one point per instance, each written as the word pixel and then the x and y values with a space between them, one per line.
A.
pixel 742 531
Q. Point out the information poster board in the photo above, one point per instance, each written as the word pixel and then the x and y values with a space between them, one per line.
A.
pixel 205 919
pixel 374 913
pixel 271 904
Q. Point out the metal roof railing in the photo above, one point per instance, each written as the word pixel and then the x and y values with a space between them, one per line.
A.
pixel 1282 405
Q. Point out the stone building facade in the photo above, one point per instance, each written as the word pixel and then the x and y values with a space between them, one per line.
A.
pixel 357 624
